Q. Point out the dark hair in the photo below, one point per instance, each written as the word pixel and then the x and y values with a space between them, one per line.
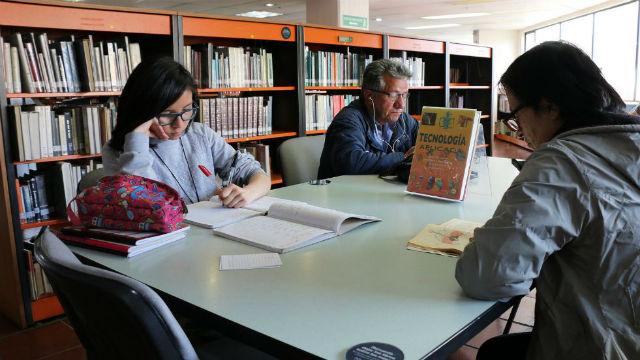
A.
pixel 564 75
pixel 152 87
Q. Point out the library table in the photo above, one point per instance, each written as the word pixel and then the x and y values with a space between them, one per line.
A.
pixel 363 286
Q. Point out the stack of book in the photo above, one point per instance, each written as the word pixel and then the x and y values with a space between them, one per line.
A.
pixel 238 117
pixel 121 242
pixel 33 63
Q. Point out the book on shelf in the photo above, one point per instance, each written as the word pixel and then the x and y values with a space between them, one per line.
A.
pixel 326 68
pixel 47 131
pixel 260 152
pixel 449 238
pixel 38 282
pixel 238 117
pixel 443 152
pixel 321 108
pixel 125 243
pixel 290 226
pixel 33 63
pixel 44 190
pixel 416 65
pixel 220 66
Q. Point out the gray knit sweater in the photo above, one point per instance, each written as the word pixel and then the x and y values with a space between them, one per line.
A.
pixel 202 146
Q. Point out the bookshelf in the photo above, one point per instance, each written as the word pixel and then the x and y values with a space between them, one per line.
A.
pixel 67 89
pixel 249 92
pixel 426 59
pixel 296 53
pixel 470 69
pixel 334 61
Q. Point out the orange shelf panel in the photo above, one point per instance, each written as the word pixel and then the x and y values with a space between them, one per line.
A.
pixel 469 50
pixel 275 135
pixel 419 45
pixel 45 308
pixel 485 116
pixel 523 144
pixel 332 87
pixel 276 179
pixel 52 222
pixel 63 94
pixel 469 87
pixel 193 26
pixel 58 17
pixel 59 158
pixel 316 132
pixel 427 87
pixel 342 37
pixel 273 88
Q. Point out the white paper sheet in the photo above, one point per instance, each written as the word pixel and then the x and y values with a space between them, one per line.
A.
pixel 249 261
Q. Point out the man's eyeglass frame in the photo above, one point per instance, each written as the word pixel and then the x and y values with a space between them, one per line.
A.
pixel 194 108
pixel 393 95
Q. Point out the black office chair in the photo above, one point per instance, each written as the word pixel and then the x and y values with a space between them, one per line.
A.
pixel 117 317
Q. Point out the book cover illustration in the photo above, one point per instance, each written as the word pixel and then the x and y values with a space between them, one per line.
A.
pixel 443 152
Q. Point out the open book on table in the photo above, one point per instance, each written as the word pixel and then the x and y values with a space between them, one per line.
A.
pixel 212 214
pixel 449 238
pixel 292 225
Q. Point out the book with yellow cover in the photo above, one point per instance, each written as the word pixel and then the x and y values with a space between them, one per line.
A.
pixel 443 152
pixel 449 238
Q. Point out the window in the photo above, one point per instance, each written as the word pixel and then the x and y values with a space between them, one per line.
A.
pixel 609 37
pixel 579 32
pixel 529 40
pixel 614 46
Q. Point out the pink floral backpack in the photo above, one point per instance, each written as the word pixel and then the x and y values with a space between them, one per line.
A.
pixel 129 202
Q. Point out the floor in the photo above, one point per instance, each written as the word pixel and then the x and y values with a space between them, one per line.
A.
pixel 56 340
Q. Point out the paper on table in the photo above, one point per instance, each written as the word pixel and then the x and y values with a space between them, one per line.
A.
pixel 450 237
pixel 249 261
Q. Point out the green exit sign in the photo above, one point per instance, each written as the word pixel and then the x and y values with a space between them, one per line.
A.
pixel 355 21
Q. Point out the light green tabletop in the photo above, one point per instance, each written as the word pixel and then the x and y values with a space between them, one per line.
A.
pixel 359 287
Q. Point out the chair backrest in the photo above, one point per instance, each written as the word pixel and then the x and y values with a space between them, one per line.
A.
pixel 300 158
pixel 90 179
pixel 114 316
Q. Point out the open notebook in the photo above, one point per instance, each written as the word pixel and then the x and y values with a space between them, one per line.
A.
pixel 449 238
pixel 212 214
pixel 292 225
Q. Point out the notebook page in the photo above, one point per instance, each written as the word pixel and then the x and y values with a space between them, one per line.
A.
pixel 211 215
pixel 273 234
pixel 262 204
pixel 315 216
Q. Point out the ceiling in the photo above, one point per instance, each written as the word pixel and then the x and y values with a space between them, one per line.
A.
pixel 395 14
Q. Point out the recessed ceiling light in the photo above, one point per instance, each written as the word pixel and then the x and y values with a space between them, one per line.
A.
pixel 269 4
pixel 431 26
pixel 378 19
pixel 454 16
pixel 259 14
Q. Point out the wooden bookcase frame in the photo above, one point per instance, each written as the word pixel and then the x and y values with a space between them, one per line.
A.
pixel 15 302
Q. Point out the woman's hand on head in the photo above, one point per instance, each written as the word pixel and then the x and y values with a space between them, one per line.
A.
pixel 234 196
pixel 153 129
